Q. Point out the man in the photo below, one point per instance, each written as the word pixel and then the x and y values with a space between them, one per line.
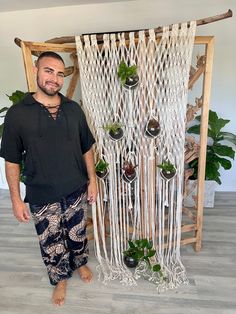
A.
pixel 50 134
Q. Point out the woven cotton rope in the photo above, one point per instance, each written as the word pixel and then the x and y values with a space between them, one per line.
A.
pixel 149 205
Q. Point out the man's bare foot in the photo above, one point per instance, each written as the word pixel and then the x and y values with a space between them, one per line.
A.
pixel 85 273
pixel 59 293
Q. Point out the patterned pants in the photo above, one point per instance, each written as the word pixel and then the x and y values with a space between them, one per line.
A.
pixel 61 228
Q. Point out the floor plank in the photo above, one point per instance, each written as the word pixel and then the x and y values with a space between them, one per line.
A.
pixel 24 286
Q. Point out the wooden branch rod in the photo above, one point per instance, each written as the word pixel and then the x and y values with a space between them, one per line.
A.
pixel 158 30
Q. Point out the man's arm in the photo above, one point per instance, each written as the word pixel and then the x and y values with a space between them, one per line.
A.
pixel 92 187
pixel 20 210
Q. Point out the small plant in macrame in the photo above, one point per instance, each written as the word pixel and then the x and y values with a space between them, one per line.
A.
pixel 152 128
pixel 128 75
pixel 168 170
pixel 101 169
pixel 141 250
pixel 114 130
pixel 129 174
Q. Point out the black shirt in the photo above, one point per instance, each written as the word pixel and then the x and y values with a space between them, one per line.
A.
pixel 52 148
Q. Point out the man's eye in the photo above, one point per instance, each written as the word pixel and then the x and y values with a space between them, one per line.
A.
pixel 61 75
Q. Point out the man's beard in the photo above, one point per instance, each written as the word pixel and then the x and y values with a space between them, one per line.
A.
pixel 48 91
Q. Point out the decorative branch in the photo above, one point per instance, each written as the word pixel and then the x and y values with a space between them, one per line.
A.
pixel 158 30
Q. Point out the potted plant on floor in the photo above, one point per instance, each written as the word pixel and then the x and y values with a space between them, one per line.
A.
pixel 101 169
pixel 140 250
pixel 217 154
pixel 168 170
pixel 15 97
pixel 129 174
pixel 128 75
pixel 114 130
pixel 152 128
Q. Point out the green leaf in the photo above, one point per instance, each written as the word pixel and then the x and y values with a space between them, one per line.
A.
pixel 227 136
pixel 149 245
pixel 224 150
pixel 225 163
pixel 137 242
pixel 139 254
pixel 212 172
pixel 131 244
pixel 151 253
pixel 16 96
pixel 198 118
pixel 156 267
pixel 195 129
pixel 4 109
pixel 215 123
pixel 143 243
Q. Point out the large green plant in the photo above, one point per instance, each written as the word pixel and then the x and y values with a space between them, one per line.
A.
pixel 15 97
pixel 142 250
pixel 217 154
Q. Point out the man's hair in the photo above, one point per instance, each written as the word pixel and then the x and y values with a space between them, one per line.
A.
pixel 50 54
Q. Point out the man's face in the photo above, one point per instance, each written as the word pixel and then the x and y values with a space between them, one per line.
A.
pixel 50 75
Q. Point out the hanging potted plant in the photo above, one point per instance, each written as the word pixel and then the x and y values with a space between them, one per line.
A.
pixel 128 75
pixel 140 250
pixel 101 169
pixel 168 170
pixel 129 174
pixel 152 128
pixel 114 130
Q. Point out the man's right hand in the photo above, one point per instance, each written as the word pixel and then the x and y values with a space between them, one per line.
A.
pixel 21 211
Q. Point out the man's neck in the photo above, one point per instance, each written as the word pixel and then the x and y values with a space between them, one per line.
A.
pixel 47 100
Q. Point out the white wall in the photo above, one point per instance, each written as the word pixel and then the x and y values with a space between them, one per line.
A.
pixel 43 24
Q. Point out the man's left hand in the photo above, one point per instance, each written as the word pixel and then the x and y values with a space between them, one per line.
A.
pixel 92 192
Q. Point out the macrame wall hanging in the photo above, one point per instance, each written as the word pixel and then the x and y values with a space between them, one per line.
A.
pixel 138 197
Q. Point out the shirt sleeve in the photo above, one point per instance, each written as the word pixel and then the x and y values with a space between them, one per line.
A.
pixel 86 136
pixel 11 144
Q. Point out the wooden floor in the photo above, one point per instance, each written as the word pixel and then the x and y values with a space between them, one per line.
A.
pixel 24 286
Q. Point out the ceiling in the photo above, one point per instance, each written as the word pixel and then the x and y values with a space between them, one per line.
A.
pixel 18 5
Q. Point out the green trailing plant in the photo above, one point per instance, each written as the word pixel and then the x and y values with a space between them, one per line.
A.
pixel 142 250
pixel 217 154
pixel 126 72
